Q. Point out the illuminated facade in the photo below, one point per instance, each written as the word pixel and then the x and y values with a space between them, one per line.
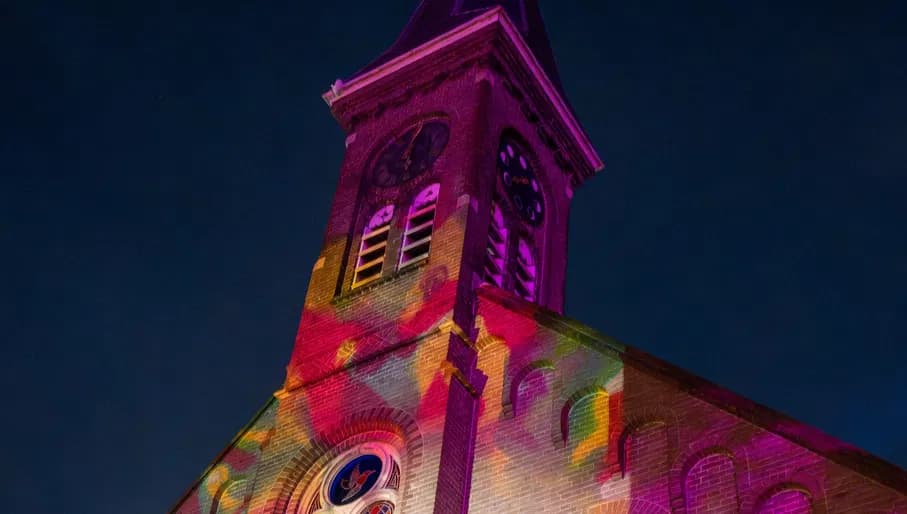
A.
pixel 433 370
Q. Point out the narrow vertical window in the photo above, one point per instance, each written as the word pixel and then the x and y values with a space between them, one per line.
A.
pixel 373 247
pixel 496 251
pixel 419 226
pixel 525 275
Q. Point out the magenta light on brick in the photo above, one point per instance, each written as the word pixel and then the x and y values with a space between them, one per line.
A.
pixel 433 369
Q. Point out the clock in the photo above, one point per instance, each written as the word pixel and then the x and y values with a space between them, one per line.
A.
pixel 520 182
pixel 410 154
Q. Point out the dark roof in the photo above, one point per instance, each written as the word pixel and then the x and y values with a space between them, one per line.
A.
pixel 435 17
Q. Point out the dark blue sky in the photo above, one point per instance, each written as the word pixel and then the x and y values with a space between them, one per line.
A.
pixel 167 169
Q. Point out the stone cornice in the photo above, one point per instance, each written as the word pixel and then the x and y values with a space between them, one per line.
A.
pixel 490 40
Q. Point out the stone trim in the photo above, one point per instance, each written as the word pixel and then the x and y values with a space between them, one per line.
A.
pixel 391 426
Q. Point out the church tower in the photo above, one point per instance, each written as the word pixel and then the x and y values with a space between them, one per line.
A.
pixel 433 370
pixel 461 158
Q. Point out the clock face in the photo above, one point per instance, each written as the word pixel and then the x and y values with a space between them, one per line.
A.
pixel 520 182
pixel 411 154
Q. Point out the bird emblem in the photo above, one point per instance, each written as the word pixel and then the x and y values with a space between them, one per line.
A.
pixel 355 482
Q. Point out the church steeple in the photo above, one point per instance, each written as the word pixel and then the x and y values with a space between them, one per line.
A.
pixel 435 17
pixel 461 160
pixel 431 370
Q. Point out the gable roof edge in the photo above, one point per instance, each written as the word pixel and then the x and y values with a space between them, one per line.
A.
pixel 198 481
pixel 860 461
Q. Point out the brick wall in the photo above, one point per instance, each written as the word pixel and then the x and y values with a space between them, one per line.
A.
pixel 398 399
pixel 568 420
pixel 226 486
pixel 662 450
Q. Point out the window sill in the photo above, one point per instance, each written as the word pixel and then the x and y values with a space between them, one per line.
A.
pixel 350 295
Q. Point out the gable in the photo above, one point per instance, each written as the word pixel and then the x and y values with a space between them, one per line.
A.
pixel 622 425
pixel 225 486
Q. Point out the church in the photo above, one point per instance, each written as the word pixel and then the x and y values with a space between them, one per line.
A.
pixel 434 369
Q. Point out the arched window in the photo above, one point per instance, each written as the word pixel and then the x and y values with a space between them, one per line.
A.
pixel 525 273
pixel 711 484
pixel 233 498
pixel 373 247
pixel 496 250
pixel 786 501
pixel 363 480
pixel 588 427
pixel 419 226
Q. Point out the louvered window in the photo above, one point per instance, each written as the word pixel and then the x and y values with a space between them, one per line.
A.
pixel 419 226
pixel 525 273
pixel 496 250
pixel 373 248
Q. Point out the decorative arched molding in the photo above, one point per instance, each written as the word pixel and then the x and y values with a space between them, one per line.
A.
pixel 644 418
pixel 808 479
pixel 226 493
pixel 734 441
pixel 519 366
pixel 698 457
pixel 782 487
pixel 691 460
pixel 522 374
pixel 577 397
pixel 384 425
pixel 626 435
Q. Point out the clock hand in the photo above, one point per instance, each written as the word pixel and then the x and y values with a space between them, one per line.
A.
pixel 409 148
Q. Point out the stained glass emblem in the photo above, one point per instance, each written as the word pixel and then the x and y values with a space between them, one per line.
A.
pixel 354 479
pixel 380 507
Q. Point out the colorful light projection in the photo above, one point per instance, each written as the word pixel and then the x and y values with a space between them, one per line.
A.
pixel 540 377
pixel 539 410
pixel 225 487
pixel 553 402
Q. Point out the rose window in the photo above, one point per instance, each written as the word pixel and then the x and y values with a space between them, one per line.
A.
pixel 362 480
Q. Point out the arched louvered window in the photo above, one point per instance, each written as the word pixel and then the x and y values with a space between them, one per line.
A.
pixel 525 274
pixel 373 248
pixel 419 226
pixel 496 250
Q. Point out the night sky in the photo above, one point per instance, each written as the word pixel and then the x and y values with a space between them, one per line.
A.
pixel 167 169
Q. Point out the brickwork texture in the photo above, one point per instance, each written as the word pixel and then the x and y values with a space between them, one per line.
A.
pixel 492 402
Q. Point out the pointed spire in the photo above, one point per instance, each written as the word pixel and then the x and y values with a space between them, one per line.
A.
pixel 435 17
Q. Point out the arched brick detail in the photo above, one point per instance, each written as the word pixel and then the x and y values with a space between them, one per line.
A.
pixel 805 469
pixel 645 454
pixel 575 398
pixel 728 499
pixel 520 376
pixel 645 417
pixel 516 370
pixel 222 493
pixel 390 426
pixel 765 499
pixel 804 479
pixel 734 441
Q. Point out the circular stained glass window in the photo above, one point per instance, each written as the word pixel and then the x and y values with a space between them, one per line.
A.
pixel 381 507
pixel 354 479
